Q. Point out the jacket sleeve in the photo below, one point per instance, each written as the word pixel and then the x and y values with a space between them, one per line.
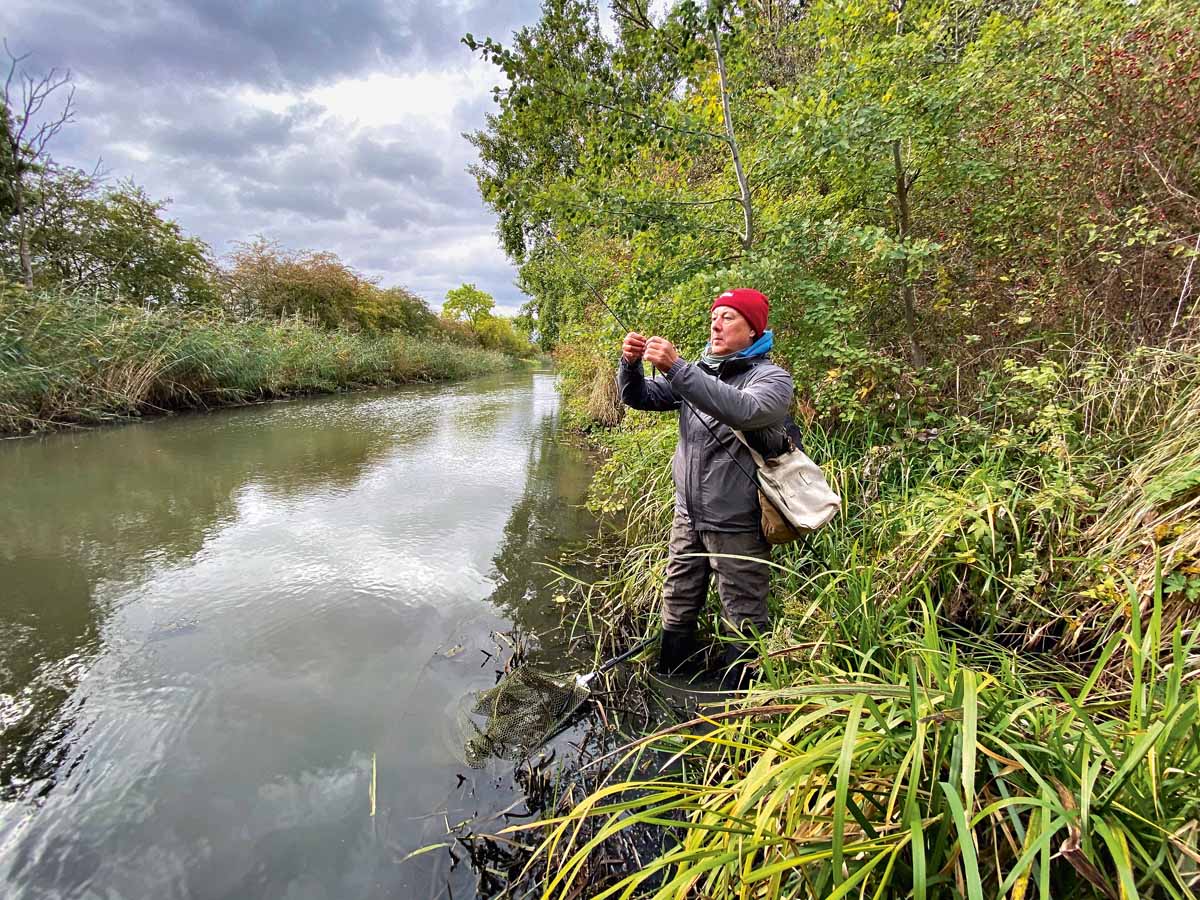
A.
pixel 765 401
pixel 655 395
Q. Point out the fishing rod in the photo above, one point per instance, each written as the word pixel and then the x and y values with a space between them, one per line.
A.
pixel 596 293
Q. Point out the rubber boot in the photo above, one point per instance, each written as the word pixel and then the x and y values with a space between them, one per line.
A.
pixel 735 675
pixel 679 652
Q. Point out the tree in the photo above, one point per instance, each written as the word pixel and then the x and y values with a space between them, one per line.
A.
pixel 8 207
pixel 912 182
pixel 598 136
pixel 468 303
pixel 113 242
pixel 116 242
pixel 537 139
pixel 267 280
pixel 51 206
pixel 26 138
pixel 394 309
pixel 499 333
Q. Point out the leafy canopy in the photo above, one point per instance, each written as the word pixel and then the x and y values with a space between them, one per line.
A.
pixel 468 303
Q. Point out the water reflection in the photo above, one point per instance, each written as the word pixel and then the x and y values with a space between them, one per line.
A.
pixel 216 623
pixel 551 508
pixel 84 513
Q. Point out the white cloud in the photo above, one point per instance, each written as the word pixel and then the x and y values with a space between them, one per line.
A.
pixel 381 99
pixel 271 101
pixel 474 250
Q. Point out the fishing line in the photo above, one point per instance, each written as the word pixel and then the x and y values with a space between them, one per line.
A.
pixel 596 293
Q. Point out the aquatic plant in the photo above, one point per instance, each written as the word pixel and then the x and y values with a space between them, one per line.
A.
pixel 919 767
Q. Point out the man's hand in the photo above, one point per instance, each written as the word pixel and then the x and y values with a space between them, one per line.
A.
pixel 633 347
pixel 660 353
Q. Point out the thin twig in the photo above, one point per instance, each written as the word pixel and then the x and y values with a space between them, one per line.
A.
pixel 1187 283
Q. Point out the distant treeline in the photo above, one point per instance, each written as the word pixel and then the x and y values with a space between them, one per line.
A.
pixel 113 243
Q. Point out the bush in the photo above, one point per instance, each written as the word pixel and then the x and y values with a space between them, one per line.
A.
pixel 497 333
pixel 266 280
pixel 394 309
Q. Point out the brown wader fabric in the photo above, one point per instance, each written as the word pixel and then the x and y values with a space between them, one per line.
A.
pixel 741 583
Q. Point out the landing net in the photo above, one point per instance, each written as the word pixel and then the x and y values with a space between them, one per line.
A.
pixel 523 711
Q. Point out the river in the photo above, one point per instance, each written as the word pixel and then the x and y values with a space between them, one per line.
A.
pixel 215 627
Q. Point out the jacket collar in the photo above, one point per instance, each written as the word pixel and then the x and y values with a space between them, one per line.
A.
pixel 735 365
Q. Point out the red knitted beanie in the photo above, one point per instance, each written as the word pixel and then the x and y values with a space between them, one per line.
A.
pixel 750 303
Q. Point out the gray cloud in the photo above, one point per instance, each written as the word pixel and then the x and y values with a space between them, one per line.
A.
pixel 400 213
pixel 210 134
pixel 218 41
pixel 396 160
pixel 166 96
pixel 298 198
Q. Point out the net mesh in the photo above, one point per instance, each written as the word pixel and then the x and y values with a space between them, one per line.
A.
pixel 522 711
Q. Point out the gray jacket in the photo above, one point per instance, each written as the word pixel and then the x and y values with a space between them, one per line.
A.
pixel 713 471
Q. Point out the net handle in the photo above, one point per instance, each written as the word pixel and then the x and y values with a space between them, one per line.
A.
pixel 633 651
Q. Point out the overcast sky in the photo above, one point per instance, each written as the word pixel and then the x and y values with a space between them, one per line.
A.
pixel 324 125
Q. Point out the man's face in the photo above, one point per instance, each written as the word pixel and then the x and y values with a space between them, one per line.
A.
pixel 729 331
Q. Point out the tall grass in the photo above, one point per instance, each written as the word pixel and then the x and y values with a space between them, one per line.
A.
pixel 69 359
pixel 907 769
pixel 983 676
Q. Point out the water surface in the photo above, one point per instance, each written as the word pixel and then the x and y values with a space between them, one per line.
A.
pixel 213 625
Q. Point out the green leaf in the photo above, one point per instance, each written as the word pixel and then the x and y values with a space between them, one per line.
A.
pixel 845 759
pixel 966 843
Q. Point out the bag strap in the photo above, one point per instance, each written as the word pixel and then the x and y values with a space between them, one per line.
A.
pixel 759 462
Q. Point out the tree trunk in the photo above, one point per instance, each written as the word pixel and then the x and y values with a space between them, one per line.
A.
pixel 908 293
pixel 743 184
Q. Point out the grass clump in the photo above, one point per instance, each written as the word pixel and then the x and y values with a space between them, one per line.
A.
pixel 67 359
pixel 916 769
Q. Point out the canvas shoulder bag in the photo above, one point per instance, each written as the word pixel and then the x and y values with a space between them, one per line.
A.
pixel 793 493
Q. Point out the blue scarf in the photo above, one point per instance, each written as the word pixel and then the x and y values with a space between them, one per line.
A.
pixel 761 347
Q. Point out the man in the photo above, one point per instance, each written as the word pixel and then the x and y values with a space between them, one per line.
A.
pixel 732 386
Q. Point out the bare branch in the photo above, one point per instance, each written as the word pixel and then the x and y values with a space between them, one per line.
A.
pixel 27 139
pixel 13 67
pixel 908 294
pixel 1173 190
pixel 24 96
pixel 1187 283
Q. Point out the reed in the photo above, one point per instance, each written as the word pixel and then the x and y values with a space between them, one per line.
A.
pixel 68 360
pixel 916 769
